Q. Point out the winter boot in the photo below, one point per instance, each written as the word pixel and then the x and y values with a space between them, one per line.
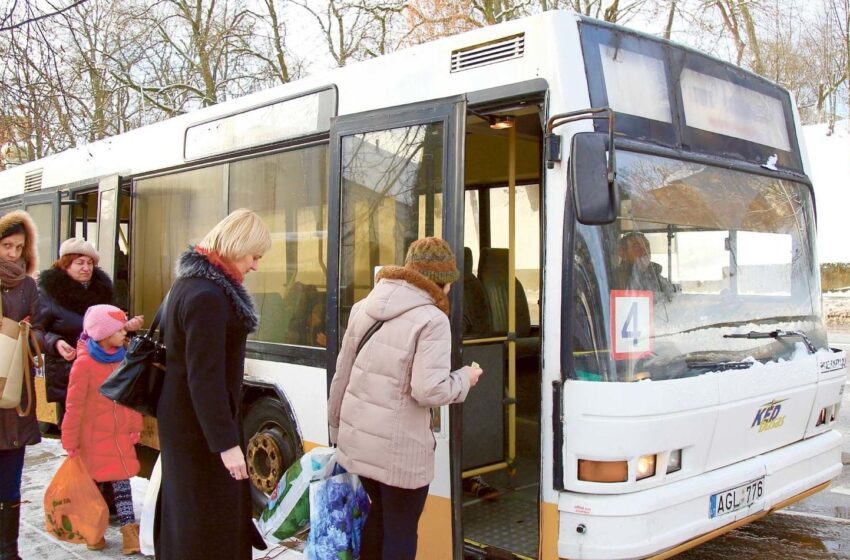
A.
pixel 131 538
pixel 99 545
pixel 10 521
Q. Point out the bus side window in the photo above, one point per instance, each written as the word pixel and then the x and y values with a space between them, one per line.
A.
pixel 590 357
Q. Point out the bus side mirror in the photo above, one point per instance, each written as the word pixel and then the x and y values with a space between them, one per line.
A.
pixel 596 197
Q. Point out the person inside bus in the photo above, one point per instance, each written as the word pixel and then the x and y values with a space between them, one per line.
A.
pixel 18 263
pixel 204 508
pixel 67 290
pixel 636 271
pixel 379 408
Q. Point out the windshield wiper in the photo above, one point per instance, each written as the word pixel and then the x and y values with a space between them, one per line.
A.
pixel 718 366
pixel 778 334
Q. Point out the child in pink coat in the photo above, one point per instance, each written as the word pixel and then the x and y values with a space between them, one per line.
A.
pixel 100 431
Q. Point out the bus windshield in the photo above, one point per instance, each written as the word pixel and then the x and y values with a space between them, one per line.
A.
pixel 696 254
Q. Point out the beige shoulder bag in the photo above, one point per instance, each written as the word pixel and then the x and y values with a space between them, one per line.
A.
pixel 16 355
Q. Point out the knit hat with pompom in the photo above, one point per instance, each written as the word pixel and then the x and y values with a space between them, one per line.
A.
pixel 102 321
pixel 433 258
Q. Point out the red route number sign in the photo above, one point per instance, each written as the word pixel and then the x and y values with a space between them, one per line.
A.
pixel 632 326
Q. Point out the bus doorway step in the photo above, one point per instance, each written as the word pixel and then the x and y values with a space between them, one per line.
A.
pixel 483 552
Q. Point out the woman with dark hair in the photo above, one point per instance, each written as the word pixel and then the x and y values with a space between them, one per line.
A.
pixel 67 289
pixel 18 260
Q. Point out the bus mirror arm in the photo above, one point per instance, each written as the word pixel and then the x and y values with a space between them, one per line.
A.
pixel 552 141
pixel 592 166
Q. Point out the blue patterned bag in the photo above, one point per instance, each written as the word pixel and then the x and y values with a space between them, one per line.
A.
pixel 338 508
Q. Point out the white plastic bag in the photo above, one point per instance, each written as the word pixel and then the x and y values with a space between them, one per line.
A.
pixel 149 510
pixel 287 512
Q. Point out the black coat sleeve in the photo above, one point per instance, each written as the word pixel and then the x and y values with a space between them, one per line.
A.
pixel 204 320
pixel 43 317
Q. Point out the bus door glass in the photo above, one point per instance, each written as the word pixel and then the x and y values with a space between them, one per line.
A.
pixel 392 173
pixel 44 208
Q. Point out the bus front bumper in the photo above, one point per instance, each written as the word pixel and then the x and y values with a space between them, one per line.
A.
pixel 646 523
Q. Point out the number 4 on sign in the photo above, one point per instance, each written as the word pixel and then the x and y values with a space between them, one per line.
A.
pixel 631 323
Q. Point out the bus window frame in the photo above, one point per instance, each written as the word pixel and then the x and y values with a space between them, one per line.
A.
pixel 255 349
pixel 439 110
pixel 250 149
pixel 592 37
pixel 52 197
pixel 69 196
pixel 718 143
pixel 677 135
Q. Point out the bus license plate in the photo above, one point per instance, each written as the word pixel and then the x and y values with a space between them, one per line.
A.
pixel 735 498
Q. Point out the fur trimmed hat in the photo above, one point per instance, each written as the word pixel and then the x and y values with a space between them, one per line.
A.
pixel 432 258
pixel 20 218
pixel 79 246
pixel 102 321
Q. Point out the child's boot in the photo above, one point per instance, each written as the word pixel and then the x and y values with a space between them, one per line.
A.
pixel 99 545
pixel 131 538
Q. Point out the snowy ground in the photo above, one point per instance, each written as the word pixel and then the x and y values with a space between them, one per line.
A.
pixel 35 543
pixel 836 309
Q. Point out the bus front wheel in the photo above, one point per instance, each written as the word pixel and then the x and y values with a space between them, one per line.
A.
pixel 271 447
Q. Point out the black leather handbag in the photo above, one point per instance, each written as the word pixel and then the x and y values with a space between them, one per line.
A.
pixel 137 382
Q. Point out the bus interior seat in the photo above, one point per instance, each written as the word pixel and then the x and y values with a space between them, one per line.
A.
pixel 476 309
pixel 493 274
pixel 269 305
pixel 299 299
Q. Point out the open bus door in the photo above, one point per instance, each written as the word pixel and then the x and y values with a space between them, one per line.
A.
pixel 396 177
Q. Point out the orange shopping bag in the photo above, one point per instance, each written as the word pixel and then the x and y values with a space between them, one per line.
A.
pixel 74 509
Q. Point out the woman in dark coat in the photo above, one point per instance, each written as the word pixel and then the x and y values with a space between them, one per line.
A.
pixel 67 289
pixel 18 260
pixel 204 507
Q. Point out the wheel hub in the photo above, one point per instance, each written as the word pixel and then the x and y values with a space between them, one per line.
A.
pixel 265 459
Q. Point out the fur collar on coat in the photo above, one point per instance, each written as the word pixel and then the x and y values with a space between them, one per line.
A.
pixel 72 295
pixel 423 283
pixel 192 264
pixel 30 255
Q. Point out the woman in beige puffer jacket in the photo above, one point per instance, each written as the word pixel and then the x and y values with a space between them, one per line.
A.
pixel 380 399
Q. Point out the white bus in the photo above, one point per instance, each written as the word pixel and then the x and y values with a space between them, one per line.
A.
pixel 636 227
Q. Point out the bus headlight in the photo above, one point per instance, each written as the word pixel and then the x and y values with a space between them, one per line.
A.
pixel 645 466
pixel 603 471
pixel 674 462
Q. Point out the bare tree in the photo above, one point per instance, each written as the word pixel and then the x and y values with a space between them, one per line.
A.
pixel 355 29
pixel 280 64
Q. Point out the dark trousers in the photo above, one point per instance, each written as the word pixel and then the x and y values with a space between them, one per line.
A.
pixel 390 532
pixel 11 469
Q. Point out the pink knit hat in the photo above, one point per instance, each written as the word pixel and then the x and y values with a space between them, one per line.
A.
pixel 102 321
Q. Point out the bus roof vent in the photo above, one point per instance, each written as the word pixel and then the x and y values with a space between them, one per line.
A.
pixel 32 180
pixel 491 52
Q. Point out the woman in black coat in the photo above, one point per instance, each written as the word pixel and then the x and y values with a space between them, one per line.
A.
pixel 204 507
pixel 18 260
pixel 67 289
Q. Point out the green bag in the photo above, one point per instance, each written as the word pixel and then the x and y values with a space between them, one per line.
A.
pixel 287 512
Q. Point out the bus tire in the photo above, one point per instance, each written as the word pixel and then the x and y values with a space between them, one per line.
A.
pixel 270 447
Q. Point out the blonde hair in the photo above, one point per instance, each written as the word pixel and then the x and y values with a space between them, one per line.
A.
pixel 240 234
